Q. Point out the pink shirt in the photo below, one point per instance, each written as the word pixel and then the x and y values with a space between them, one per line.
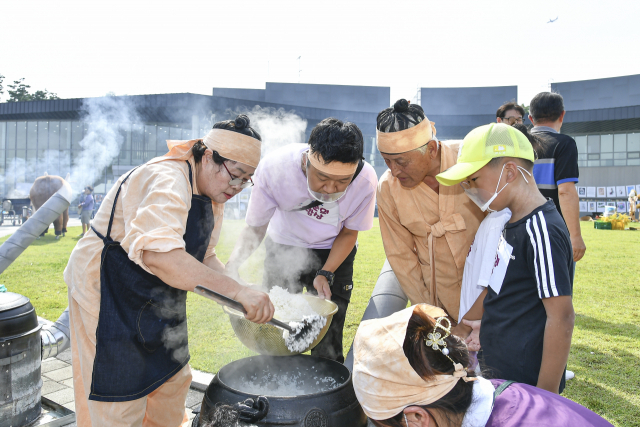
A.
pixel 281 187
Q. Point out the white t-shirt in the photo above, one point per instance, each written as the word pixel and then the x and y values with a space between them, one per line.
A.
pixel 281 187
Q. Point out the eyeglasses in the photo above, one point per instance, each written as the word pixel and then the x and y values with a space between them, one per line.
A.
pixel 243 183
pixel 512 120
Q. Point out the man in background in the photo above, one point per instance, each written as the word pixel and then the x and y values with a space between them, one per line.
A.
pixel 510 114
pixel 86 209
pixel 556 169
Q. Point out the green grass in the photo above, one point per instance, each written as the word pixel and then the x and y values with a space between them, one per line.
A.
pixel 605 353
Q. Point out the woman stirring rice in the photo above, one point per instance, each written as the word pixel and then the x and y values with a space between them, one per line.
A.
pixel 152 240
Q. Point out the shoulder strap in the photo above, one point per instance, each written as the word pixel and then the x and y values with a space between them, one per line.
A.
pixel 502 387
pixel 115 202
pixel 317 203
pixel 190 179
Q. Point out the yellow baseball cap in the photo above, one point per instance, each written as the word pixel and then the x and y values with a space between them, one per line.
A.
pixel 483 144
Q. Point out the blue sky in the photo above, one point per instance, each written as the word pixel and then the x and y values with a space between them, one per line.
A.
pixel 88 48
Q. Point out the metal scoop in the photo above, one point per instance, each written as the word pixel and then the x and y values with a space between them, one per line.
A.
pixel 297 335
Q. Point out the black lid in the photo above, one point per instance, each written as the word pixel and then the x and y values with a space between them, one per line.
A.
pixel 17 315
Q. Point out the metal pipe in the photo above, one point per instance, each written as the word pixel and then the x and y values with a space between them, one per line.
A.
pixel 39 222
pixel 55 336
pixel 387 298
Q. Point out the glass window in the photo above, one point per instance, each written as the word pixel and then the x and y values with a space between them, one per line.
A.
pixel 54 135
pixel 606 162
pixel 620 162
pixel 65 162
pixel 150 138
pixel 163 135
pixel 21 135
pixel 186 134
pixel 43 135
pixel 593 163
pixel 137 144
pixel 582 164
pixel 619 155
pixel 3 135
pixel 580 156
pixel 633 142
pixel 32 135
pixel 76 136
pixel 594 156
pixel 620 143
pixel 633 155
pixel 606 156
pixel 175 133
pixel 65 135
pixel 593 143
pixel 31 154
pixel 633 162
pixel 606 143
pixel 11 135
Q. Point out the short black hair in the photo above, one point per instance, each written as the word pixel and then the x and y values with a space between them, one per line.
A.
pixel 401 116
pixel 509 106
pixel 240 125
pixel 337 141
pixel 546 107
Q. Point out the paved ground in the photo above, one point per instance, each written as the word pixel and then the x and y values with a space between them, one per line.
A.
pixel 57 384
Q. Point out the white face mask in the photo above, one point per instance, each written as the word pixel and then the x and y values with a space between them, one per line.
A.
pixel 483 198
pixel 323 197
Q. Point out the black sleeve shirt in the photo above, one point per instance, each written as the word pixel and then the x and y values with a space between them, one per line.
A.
pixel 557 163
pixel 514 320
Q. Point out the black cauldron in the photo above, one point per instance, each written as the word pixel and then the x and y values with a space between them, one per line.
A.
pixel 20 352
pixel 311 407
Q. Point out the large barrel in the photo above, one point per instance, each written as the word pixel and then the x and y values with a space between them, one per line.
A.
pixel 311 405
pixel 20 352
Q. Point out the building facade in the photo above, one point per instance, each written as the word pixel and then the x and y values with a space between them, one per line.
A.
pixel 60 136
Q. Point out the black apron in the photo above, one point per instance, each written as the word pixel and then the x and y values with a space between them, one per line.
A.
pixel 141 338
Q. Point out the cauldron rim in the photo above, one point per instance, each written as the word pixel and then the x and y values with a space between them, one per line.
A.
pixel 322 393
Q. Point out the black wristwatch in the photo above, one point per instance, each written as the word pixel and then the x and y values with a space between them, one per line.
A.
pixel 329 275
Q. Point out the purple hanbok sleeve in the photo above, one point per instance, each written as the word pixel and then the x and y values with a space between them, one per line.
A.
pixel 523 405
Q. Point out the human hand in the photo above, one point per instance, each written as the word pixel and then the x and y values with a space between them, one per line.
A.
pixel 473 340
pixel 579 247
pixel 257 305
pixel 322 286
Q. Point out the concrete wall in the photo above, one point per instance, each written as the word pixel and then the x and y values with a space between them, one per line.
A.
pixel 456 111
pixel 600 93
pixel 466 100
pixel 369 99
pixel 248 94
pixel 609 176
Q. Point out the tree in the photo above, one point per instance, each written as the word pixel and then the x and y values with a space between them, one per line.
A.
pixel 19 92
pixel 40 95
pixel 526 108
pixel 1 87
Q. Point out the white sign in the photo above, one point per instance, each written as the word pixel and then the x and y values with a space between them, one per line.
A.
pixel 591 191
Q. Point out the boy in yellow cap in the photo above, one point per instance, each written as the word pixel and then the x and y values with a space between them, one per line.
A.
pixel 526 311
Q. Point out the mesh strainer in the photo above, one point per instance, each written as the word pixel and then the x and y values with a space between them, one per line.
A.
pixel 268 339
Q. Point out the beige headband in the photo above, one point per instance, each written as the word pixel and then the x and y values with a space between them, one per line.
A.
pixel 234 146
pixel 332 168
pixel 383 379
pixel 406 140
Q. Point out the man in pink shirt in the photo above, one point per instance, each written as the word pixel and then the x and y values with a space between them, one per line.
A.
pixel 312 200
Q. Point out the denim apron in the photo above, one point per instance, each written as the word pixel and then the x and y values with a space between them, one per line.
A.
pixel 141 338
